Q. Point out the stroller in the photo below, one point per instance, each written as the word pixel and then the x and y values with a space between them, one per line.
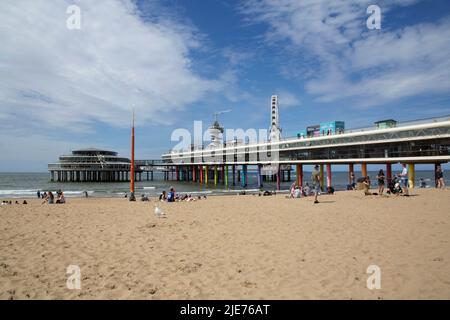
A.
pixel 394 186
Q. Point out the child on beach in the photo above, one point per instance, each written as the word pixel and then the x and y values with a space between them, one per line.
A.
pixel 315 177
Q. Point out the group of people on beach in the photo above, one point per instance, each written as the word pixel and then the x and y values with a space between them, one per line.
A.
pixel 49 197
pixel 298 191
pixel 172 196
pixel 397 185
pixel 9 202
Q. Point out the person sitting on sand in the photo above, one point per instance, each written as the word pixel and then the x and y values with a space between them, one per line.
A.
pixel 25 202
pixel 61 199
pixel 307 190
pixel 292 190
pixel 49 198
pixel 423 184
pixel 171 196
pixel 366 184
pixel 144 197
pixel 163 196
pixel 297 192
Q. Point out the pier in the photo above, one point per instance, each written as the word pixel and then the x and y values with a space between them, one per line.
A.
pixel 98 165
pixel 424 141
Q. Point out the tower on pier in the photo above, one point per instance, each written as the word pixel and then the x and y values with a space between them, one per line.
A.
pixel 275 130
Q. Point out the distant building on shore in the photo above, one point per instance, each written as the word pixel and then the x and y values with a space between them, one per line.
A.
pixel 90 165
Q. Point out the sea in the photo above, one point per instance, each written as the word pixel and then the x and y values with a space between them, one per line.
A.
pixel 26 185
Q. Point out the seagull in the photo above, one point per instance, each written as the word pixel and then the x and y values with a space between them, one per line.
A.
pixel 159 213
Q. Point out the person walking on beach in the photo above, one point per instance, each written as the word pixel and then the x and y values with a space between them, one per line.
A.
pixel 38 193
pixel 352 180
pixel 380 177
pixel 315 177
pixel 440 178
pixel 404 179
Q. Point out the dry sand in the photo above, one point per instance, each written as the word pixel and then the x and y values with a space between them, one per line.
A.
pixel 233 247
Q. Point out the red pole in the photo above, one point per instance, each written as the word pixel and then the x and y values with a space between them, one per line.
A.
pixel 389 172
pixel 328 175
pixel 350 171
pixel 132 162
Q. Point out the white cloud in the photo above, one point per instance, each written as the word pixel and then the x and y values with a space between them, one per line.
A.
pixel 337 57
pixel 287 99
pixel 53 76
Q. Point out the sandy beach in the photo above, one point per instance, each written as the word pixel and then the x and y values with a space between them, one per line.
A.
pixel 229 247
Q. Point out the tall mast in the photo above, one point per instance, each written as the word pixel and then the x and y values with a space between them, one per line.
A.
pixel 132 162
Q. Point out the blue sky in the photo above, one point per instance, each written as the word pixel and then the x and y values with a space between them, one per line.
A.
pixel 177 61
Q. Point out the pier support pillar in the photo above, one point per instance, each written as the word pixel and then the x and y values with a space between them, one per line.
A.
pixel 194 173
pixel 244 175
pixel 279 178
pixel 239 175
pixel 233 169
pixel 351 170
pixel 206 174
pixel 215 175
pixel 388 172
pixel 411 175
pixel 201 173
pixel 364 169
pixel 299 174
pixel 226 175
pixel 259 176
pixel 177 173
pixel 328 175
pixel 289 175
pixel 322 176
